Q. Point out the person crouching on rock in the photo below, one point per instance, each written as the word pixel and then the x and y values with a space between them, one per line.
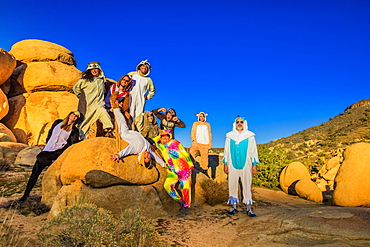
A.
pixel 62 134
pixel 137 143
pixel 179 168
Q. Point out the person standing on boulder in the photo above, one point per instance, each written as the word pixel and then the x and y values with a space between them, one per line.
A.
pixel 240 162
pixel 168 120
pixel 179 168
pixel 91 88
pixel 62 134
pixel 201 138
pixel 142 90
pixel 137 143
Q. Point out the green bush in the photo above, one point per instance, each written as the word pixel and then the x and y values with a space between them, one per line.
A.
pixel 272 161
pixel 87 225
pixel 215 192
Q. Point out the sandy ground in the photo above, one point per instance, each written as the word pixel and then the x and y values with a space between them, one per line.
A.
pixel 282 220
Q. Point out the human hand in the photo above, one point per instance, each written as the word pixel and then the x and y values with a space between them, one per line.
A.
pixel 254 169
pixel 162 109
pixel 175 119
pixel 145 97
pixel 226 169
pixel 114 157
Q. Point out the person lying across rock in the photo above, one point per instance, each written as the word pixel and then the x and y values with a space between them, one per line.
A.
pixel 137 143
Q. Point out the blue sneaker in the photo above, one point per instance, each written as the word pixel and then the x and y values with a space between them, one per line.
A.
pixel 251 214
pixel 232 211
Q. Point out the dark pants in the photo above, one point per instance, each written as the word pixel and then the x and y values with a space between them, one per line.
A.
pixel 43 160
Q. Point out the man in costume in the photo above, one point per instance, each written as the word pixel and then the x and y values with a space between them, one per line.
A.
pixel 137 143
pixel 240 161
pixel 168 120
pixel 201 138
pixel 179 168
pixel 91 88
pixel 142 84
pixel 62 134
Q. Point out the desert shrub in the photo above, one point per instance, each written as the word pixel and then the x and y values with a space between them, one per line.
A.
pixel 87 225
pixel 135 230
pixel 5 165
pixel 215 192
pixel 272 161
pixel 9 235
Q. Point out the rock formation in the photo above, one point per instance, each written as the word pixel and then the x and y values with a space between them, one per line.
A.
pixel 353 179
pixel 83 174
pixel 40 87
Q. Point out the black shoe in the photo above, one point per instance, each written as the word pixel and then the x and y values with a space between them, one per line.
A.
pixel 23 198
pixel 232 211
pixel 251 214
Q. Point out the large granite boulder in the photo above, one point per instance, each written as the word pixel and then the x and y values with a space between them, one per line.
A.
pixel 6 135
pixel 7 65
pixel 38 114
pixel 10 150
pixel 50 76
pixel 84 172
pixel 353 179
pixel 307 189
pixel 291 174
pixel 28 155
pixel 4 105
pixel 32 50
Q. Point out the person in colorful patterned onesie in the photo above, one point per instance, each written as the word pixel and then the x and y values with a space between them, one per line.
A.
pixel 142 84
pixel 201 138
pixel 91 88
pixel 180 166
pixel 137 143
pixel 240 161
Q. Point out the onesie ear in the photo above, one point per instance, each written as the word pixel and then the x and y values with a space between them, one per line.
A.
pixel 196 114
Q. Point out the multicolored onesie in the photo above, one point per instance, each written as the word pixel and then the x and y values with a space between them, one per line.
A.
pixel 180 166
pixel 201 138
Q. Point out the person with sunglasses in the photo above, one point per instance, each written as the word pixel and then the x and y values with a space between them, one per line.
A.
pixel 240 162
pixel 123 87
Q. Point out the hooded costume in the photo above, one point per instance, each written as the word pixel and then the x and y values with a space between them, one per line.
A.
pixel 179 168
pixel 141 85
pixel 240 154
pixel 201 138
pixel 170 125
pixel 94 96
pixel 137 143
pixel 151 129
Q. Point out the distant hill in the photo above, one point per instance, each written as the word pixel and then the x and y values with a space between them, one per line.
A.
pixel 319 143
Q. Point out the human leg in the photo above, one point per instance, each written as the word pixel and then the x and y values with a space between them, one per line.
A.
pixel 233 182
pixel 204 156
pixel 169 185
pixel 246 180
pixel 121 122
pixel 139 122
pixel 43 160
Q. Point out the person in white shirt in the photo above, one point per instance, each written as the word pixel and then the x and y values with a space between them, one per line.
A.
pixel 137 143
pixel 62 134
pixel 201 137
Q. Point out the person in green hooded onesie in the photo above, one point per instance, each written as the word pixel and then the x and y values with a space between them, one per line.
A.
pixel 90 88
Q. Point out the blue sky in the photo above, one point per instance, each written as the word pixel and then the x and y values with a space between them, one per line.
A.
pixel 284 65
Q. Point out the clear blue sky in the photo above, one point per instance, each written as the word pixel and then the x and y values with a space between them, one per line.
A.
pixel 285 65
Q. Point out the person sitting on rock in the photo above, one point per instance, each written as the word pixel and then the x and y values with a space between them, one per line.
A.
pixel 168 120
pixel 151 128
pixel 137 143
pixel 62 134
pixel 179 170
